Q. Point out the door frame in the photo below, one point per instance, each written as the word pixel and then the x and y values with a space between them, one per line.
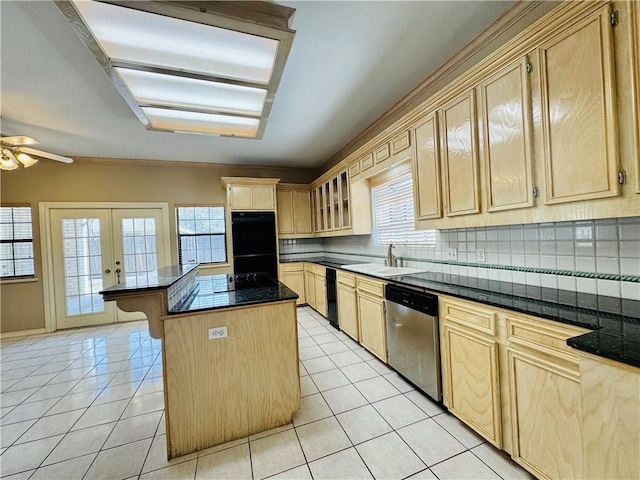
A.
pixel 46 246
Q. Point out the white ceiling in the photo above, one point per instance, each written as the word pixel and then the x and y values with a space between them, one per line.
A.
pixel 350 62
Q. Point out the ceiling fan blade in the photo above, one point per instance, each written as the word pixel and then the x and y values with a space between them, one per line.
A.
pixel 19 140
pixel 50 156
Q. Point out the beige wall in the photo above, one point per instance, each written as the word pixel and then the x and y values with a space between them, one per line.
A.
pixel 22 304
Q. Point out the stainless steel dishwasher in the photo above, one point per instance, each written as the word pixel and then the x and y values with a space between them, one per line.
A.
pixel 413 340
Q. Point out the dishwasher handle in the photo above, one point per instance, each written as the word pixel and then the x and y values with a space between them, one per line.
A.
pixel 413 299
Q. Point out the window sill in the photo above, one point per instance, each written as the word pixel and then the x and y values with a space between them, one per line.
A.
pixel 8 281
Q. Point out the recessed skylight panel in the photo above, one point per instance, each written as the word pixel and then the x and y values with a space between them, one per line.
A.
pixel 181 92
pixel 180 120
pixel 142 38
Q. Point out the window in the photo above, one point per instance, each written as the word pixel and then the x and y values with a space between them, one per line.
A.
pixel 201 235
pixel 393 214
pixel 16 243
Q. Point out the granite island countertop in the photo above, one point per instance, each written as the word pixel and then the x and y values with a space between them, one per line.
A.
pixel 211 292
pixel 615 321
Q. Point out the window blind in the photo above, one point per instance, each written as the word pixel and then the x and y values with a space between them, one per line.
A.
pixel 201 235
pixel 394 214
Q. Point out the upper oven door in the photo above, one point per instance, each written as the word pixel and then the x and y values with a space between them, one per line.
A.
pixel 253 233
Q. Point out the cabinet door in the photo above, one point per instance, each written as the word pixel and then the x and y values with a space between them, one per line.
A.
pixel 579 113
pixel 241 197
pixel 634 10
pixel 472 381
pixel 301 209
pixel 426 169
pixel 460 156
pixel 285 212
pixel 262 197
pixel 321 294
pixel 310 288
pixel 546 416
pixel 344 200
pixel 348 310
pixel 373 334
pixel 295 281
pixel 506 119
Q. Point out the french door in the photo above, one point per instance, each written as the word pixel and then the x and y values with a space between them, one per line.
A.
pixel 95 248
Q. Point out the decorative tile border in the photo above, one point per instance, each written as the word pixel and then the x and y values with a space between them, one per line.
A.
pixel 547 271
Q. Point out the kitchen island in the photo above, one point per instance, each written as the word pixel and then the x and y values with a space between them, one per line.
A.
pixel 230 357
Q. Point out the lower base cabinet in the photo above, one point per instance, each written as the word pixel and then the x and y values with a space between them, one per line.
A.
pixel 292 275
pixel 371 316
pixel 515 381
pixel 310 287
pixel 348 304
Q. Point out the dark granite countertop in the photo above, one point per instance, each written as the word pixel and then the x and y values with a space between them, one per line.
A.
pixel 166 277
pixel 211 293
pixel 615 321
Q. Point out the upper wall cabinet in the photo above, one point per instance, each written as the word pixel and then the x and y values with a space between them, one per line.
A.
pixel 250 193
pixel 579 112
pixel 426 169
pixel 508 138
pixel 294 211
pixel 634 10
pixel 331 203
pixel 460 155
pixel 385 155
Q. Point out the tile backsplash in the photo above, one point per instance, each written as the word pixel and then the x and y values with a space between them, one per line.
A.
pixel 596 256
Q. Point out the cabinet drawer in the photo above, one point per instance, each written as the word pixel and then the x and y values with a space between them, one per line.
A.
pixel 316 269
pixel 470 315
pixel 540 334
pixel 371 286
pixel 354 169
pixel 366 162
pixel 292 267
pixel 400 142
pixel 346 278
pixel 381 153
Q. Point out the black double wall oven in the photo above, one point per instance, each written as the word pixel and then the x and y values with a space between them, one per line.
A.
pixel 254 243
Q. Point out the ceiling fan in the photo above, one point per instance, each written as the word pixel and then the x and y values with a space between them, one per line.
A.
pixel 16 152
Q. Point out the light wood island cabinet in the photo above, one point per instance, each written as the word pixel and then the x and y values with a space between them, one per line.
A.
pixel 246 194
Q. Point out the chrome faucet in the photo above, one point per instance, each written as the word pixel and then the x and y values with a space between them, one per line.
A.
pixel 391 258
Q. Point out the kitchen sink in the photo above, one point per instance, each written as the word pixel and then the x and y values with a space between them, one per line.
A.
pixel 378 270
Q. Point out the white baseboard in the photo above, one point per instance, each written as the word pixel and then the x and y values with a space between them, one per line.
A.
pixel 22 333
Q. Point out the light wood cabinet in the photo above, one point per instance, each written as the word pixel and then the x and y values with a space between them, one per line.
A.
pixel 610 418
pixel 544 379
pixel 246 194
pixel 294 211
pixel 579 112
pixel 634 13
pixel 426 169
pixel 371 316
pixel 470 366
pixel 292 275
pixel 332 204
pixel 508 138
pixel 348 304
pixel 460 155
pixel 316 287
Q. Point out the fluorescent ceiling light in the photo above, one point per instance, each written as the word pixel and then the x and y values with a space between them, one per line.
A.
pixel 165 119
pixel 159 89
pixel 218 61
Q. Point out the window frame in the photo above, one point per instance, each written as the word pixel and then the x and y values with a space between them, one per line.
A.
pixel 224 235
pixel 396 173
pixel 21 278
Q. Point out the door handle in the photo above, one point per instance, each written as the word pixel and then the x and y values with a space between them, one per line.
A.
pixel 118 275
pixel 107 271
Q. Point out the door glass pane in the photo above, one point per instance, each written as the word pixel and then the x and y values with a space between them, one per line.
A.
pixel 139 245
pixel 82 265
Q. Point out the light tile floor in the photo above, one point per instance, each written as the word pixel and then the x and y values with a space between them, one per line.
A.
pixel 88 404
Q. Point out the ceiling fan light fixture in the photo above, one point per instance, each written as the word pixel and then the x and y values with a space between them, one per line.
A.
pixel 8 161
pixel 25 159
